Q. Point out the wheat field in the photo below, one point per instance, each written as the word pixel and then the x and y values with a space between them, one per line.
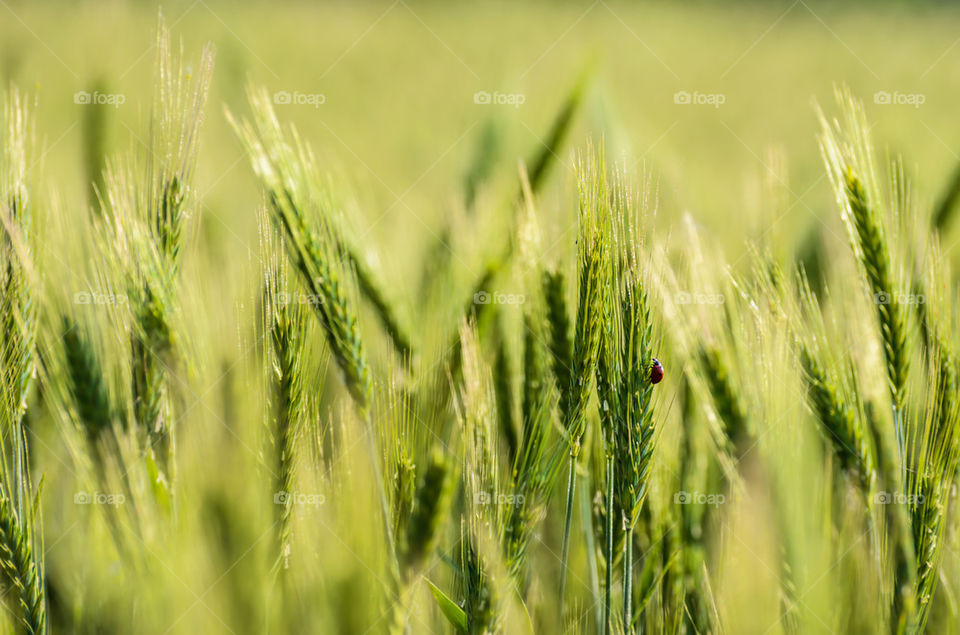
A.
pixel 510 318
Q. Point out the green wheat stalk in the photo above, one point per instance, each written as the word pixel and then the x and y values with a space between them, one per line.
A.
pixel 287 330
pixel 903 608
pixel 533 471
pixel 287 172
pixel 17 559
pixel 623 385
pixel 849 161
pixel 875 259
pixel 18 308
pixel 593 216
pixel 160 199
pixel 482 482
pixel 937 460
pixel 20 535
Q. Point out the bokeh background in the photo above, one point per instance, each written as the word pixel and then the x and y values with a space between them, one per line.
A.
pixel 398 117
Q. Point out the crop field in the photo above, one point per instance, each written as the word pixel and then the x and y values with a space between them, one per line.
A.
pixel 416 317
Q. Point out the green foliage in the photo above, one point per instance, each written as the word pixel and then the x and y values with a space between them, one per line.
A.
pixel 795 469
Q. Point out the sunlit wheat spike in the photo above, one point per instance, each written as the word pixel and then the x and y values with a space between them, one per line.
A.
pixel 478 415
pixel 624 387
pixel 303 205
pixel 17 559
pixel 636 439
pixel 848 153
pixel 148 197
pixel 627 352
pixel 609 363
pixel 876 263
pixel 298 202
pixel 482 483
pixel 178 108
pixel 18 307
pixel 592 257
pixel 287 329
pixel 296 199
pixel 20 530
pixel 592 269
pixel 935 442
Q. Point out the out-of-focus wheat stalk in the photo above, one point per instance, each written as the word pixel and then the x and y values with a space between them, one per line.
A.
pixel 21 542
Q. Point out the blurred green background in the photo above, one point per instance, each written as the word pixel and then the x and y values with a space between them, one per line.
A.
pixel 399 123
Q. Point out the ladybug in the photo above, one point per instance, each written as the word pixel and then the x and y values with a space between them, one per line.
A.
pixel 656 371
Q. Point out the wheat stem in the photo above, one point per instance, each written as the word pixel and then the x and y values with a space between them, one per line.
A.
pixel 608 591
pixel 628 579
pixel 567 522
